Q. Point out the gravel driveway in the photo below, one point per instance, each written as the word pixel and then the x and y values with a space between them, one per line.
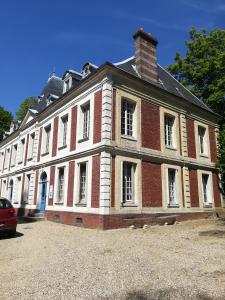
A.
pixel 54 261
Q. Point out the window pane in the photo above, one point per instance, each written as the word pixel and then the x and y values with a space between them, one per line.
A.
pixel 86 120
pixel 201 134
pixel 64 130
pixel 83 180
pixel 169 121
pixel 127 115
pixel 128 183
pixel 205 179
pixel 172 186
pixel 61 185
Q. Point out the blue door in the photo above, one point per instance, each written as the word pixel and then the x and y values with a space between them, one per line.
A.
pixel 43 191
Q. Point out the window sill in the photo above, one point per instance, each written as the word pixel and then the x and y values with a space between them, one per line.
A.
pixel 19 162
pixel 171 148
pixel 62 147
pixel 81 204
pixel 128 205
pixel 15 202
pixel 44 154
pixel 83 140
pixel 203 155
pixel 127 137
pixel 12 166
pixel 58 203
pixel 207 205
pixel 30 159
pixel 173 206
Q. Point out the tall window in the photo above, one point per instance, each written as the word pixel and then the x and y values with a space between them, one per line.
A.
pixel 127 118
pixel 61 185
pixel 128 183
pixel 206 189
pixel 83 183
pixel 7 155
pixel 64 130
pixel 27 190
pixel 31 145
pixel 2 161
pixel 14 153
pixel 86 120
pixel 47 139
pixel 202 139
pixel 22 145
pixel 169 123
pixel 172 188
pixel 10 188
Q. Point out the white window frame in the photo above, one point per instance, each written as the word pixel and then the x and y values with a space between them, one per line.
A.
pixel 206 190
pixel 47 139
pixel 7 158
pixel 169 131
pixel 128 184
pixel 60 186
pixel 22 148
pixel 64 131
pixel 175 202
pixel 202 140
pixel 128 122
pixel 27 188
pixel 82 201
pixel 85 119
pixel 31 145
pixel 14 155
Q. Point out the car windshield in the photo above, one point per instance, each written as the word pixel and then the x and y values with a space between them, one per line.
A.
pixel 4 203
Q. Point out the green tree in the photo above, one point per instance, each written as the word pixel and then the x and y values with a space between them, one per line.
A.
pixel 29 102
pixel 5 121
pixel 202 71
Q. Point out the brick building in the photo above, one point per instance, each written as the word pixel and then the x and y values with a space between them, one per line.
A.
pixel 119 141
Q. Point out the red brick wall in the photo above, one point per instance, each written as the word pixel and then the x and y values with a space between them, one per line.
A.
pixel 70 183
pixel 36 186
pixel 26 151
pixel 39 145
pixel 114 116
pixel 73 128
pixel 191 138
pixel 212 141
pixel 95 192
pixel 97 117
pixel 150 125
pixel 55 136
pixel 151 184
pixel 194 188
pixel 52 182
pixel 113 183
pixel 216 190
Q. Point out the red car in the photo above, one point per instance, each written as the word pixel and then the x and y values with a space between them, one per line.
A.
pixel 8 220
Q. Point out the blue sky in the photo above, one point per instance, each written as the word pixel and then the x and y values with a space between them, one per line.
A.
pixel 39 36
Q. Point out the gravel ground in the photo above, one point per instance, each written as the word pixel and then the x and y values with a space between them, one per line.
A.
pixel 54 261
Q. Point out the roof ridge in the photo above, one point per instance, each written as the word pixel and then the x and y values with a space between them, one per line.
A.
pixel 124 61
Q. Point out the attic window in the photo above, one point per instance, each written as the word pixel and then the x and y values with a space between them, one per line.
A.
pixel 67 85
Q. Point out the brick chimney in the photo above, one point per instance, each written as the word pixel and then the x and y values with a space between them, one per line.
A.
pixel 145 55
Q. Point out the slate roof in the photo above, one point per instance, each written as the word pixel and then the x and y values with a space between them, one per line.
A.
pixel 54 86
pixel 166 82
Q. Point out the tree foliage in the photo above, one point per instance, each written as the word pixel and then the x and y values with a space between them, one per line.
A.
pixel 29 102
pixel 5 121
pixel 202 71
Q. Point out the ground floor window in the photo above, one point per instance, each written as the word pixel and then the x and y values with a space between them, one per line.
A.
pixel 83 183
pixel 27 189
pixel 60 198
pixel 172 188
pixel 206 190
pixel 128 183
